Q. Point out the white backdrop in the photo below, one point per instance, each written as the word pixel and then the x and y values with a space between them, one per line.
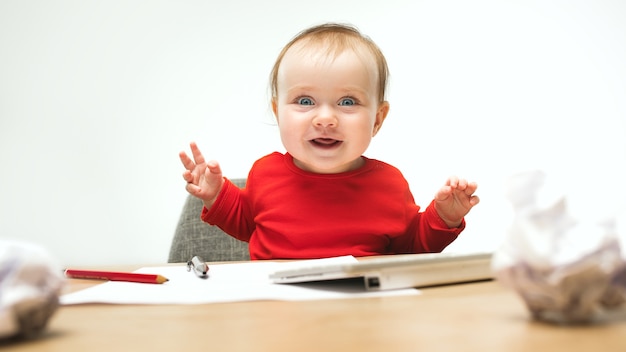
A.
pixel 98 97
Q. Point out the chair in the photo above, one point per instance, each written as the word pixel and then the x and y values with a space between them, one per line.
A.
pixel 195 237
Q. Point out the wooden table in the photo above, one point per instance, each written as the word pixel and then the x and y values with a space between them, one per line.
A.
pixel 468 317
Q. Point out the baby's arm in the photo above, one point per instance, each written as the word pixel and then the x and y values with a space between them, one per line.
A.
pixel 204 178
pixel 454 200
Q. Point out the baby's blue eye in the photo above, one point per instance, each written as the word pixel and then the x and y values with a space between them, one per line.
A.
pixel 347 102
pixel 305 101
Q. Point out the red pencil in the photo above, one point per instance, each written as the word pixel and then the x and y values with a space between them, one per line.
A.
pixel 115 276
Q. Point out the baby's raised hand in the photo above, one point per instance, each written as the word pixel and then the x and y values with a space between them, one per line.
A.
pixel 454 200
pixel 204 178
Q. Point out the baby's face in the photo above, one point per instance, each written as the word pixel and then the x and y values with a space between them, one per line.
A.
pixel 327 109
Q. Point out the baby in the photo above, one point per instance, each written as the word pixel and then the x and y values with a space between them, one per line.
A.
pixel 323 198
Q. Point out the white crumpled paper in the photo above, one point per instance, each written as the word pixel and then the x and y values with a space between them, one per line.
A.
pixel 30 284
pixel 566 269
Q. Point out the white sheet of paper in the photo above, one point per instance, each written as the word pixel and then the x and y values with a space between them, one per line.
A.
pixel 233 282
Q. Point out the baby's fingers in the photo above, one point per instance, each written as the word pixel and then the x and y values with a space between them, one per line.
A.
pixel 188 176
pixel 471 188
pixel 197 154
pixel 452 181
pixel 186 160
pixel 193 189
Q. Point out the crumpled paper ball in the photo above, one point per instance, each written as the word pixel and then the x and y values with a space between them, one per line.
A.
pixel 567 270
pixel 30 285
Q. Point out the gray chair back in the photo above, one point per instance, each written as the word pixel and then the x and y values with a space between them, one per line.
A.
pixel 195 237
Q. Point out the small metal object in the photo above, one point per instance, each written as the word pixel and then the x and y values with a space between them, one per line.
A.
pixel 200 268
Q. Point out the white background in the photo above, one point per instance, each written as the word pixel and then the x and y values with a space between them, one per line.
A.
pixel 98 97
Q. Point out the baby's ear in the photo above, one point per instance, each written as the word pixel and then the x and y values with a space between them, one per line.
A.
pixel 275 108
pixel 381 115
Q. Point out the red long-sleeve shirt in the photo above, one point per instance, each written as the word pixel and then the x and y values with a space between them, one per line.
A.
pixel 288 213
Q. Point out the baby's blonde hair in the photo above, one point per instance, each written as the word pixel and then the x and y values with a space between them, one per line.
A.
pixel 337 38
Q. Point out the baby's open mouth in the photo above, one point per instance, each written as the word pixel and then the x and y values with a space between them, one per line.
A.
pixel 326 142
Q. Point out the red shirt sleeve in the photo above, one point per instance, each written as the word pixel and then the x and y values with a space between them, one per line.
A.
pixel 230 208
pixel 432 233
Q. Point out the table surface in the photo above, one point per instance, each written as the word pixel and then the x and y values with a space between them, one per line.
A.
pixel 482 316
